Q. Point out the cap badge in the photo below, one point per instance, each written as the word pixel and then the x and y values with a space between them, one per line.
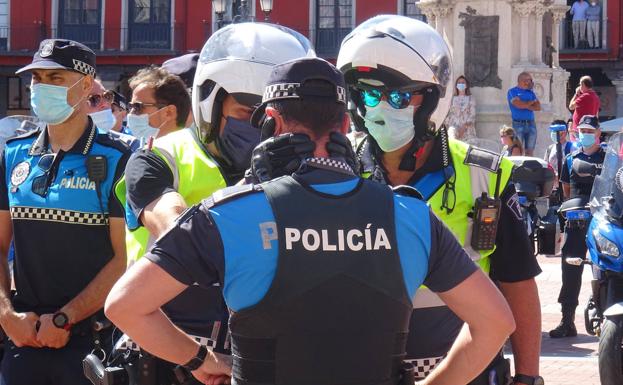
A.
pixel 47 49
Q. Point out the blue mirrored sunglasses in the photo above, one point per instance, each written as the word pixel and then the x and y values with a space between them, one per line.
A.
pixel 396 99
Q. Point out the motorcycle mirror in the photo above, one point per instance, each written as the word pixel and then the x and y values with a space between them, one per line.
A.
pixel 583 168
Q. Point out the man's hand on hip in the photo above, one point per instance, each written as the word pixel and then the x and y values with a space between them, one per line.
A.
pixel 215 370
pixel 20 327
pixel 49 335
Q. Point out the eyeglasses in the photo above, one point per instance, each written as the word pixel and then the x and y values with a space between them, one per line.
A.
pixel 448 198
pixel 397 99
pixel 41 184
pixel 137 107
pixel 97 99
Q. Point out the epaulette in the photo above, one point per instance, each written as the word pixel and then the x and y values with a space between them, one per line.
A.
pixel 230 193
pixel 24 135
pixel 408 191
pixel 482 158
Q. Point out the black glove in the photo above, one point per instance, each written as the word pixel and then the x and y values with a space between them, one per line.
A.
pixel 278 156
pixel 339 146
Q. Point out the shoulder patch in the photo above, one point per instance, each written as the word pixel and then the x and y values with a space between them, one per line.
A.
pixel 25 135
pixel 229 193
pixel 408 191
pixel 482 158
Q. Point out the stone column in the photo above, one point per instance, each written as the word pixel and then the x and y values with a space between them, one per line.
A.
pixel 524 10
pixel 540 12
pixel 618 84
pixel 558 15
pixel 431 10
pixel 445 29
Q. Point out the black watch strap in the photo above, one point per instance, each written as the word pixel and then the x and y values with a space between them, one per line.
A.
pixel 197 360
pixel 528 380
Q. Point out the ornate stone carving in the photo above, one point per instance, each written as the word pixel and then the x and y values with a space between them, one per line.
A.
pixel 524 8
pixel 481 48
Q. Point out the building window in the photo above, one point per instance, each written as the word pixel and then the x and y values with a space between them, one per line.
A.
pixel 587 35
pixel 18 97
pixel 4 24
pixel 150 24
pixel 334 20
pixel 80 20
pixel 411 9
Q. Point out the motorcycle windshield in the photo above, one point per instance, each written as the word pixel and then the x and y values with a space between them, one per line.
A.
pixel 607 189
pixel 15 125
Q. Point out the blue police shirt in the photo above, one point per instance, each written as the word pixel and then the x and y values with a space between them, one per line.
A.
pixel 524 96
pixel 62 239
pixel 223 244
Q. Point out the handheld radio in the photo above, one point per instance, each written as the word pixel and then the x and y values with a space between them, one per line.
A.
pixel 485 219
pixel 97 169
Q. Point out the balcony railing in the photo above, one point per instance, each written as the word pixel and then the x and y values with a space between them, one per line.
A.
pixel 87 34
pixel 22 38
pixel 328 41
pixel 580 41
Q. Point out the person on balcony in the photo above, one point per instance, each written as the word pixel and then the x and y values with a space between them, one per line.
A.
pixel 593 19
pixel 578 11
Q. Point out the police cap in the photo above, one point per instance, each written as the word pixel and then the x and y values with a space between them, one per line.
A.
pixel 119 100
pixel 288 81
pixel 183 66
pixel 589 121
pixel 62 54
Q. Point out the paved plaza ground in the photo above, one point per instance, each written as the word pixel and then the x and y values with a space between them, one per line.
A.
pixel 565 361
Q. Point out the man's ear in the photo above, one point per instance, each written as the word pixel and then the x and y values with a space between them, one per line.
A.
pixel 87 84
pixel 345 124
pixel 171 112
pixel 278 119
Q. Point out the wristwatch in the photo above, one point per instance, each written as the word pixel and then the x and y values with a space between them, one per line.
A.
pixel 197 360
pixel 61 321
pixel 528 380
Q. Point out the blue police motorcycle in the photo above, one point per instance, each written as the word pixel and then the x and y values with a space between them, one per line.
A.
pixel 604 311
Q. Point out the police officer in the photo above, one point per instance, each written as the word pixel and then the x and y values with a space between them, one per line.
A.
pixel 576 185
pixel 180 169
pixel 57 202
pixel 398 70
pixel 320 291
pixel 119 108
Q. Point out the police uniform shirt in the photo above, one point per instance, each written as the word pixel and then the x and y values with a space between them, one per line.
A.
pixel 434 329
pixel 224 244
pixel 61 240
pixel 580 185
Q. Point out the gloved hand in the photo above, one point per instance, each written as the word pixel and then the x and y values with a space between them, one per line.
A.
pixel 278 156
pixel 339 146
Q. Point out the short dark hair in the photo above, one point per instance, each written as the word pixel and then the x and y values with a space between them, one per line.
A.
pixel 586 81
pixel 319 115
pixel 169 89
pixel 559 121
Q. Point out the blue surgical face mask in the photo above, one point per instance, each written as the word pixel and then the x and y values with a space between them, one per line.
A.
pixel 461 86
pixel 49 102
pixel 391 128
pixel 587 140
pixel 139 125
pixel 237 141
pixel 104 119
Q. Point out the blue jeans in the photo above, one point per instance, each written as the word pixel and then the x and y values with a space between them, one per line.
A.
pixel 526 131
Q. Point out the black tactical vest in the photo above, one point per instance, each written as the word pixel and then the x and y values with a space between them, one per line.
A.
pixel 337 311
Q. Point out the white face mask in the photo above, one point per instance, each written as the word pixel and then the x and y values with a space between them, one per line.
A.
pixel 104 119
pixel 391 128
pixel 139 125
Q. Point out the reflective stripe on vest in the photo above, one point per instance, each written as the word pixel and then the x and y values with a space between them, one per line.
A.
pixel 195 176
pixel 471 182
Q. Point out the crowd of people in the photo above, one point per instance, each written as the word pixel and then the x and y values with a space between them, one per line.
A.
pixel 233 232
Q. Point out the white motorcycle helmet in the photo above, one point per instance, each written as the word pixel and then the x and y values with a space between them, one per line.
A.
pixel 399 53
pixel 237 60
